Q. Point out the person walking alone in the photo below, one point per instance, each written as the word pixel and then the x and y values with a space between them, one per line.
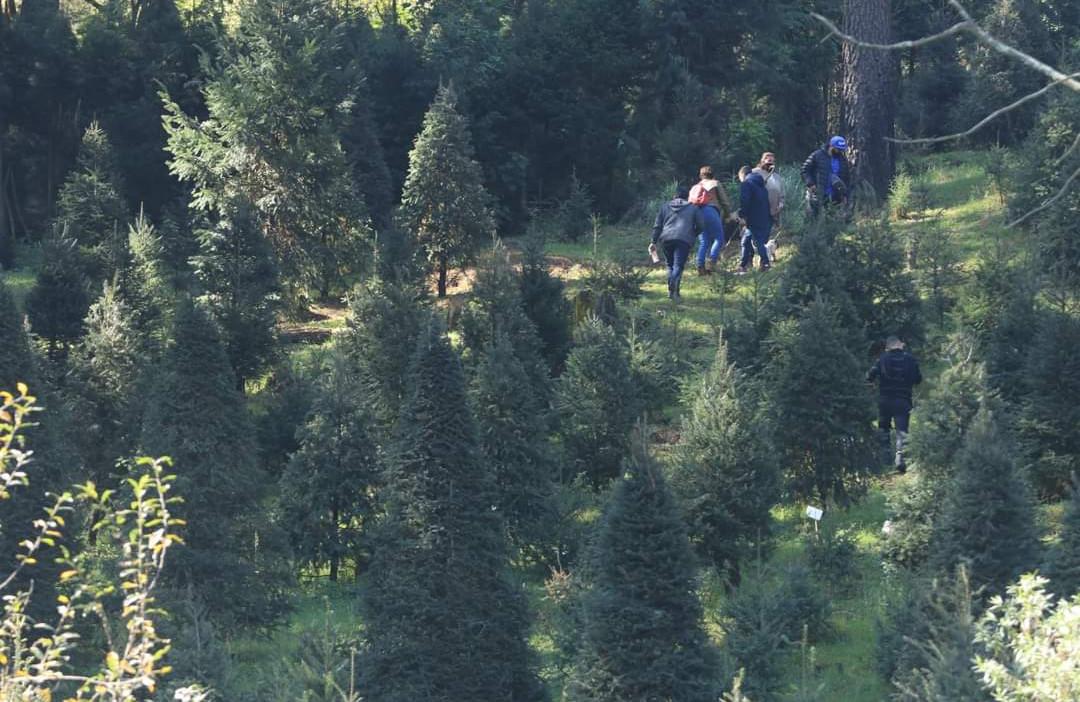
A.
pixel 896 372
pixel 827 175
pixel 754 214
pixel 677 225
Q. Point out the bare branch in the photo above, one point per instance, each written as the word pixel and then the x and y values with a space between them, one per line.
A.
pixel 1002 47
pixel 1068 153
pixel 1057 196
pixel 909 44
pixel 984 121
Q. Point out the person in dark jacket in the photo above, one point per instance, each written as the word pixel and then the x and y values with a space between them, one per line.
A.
pixel 827 174
pixel 677 226
pixel 896 372
pixel 755 214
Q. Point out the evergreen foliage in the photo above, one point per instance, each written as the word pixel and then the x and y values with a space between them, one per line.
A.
pixel 724 472
pixel 513 428
pixel 145 283
pixel 597 403
pixel 443 621
pixel 642 634
pixel 238 279
pixel 573 218
pixel 987 523
pixel 384 318
pixel 1063 562
pixel 104 377
pixel 195 414
pixel 820 408
pixel 59 300
pixel 443 201
pixel 544 301
pixel 327 488
pixel 1049 414
pixel 278 103
pixel 91 207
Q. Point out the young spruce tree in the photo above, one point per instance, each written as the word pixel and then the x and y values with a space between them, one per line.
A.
pixel 545 304
pixel 642 638
pixel 60 298
pixel 724 473
pixel 444 202
pixel 820 406
pixel 513 426
pixel 1063 563
pixel 443 621
pixel 195 415
pixel 597 403
pixel 988 519
pixel 326 490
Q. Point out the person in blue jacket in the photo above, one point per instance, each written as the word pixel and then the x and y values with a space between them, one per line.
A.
pixel 756 216
pixel 677 225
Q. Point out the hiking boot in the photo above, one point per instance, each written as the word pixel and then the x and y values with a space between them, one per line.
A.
pixel 765 267
pixel 742 270
pixel 701 270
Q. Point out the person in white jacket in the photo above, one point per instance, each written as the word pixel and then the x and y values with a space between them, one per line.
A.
pixel 774 185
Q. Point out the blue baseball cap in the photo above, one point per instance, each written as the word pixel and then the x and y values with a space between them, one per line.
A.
pixel 838 142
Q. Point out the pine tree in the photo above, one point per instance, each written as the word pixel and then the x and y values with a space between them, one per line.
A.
pixel 59 300
pixel 819 404
pixel 145 282
pixel 724 473
pixel 103 381
pixel 278 101
pixel 1049 414
pixel 326 490
pixel 91 205
pixel 384 318
pixel 597 403
pixel 987 523
pixel 642 638
pixel 542 296
pixel 443 621
pixel 1063 564
pixel 443 200
pixel 238 279
pixel 196 415
pixel 512 423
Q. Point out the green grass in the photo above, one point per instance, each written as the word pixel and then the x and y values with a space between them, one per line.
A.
pixel 20 279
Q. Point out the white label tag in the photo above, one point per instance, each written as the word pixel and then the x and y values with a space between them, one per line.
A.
pixel 814 513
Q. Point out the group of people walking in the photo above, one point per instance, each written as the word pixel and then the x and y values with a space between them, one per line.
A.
pixel 703 213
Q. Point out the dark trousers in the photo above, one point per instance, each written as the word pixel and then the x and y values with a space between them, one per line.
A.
pixel 675 253
pixel 892 410
pixel 759 238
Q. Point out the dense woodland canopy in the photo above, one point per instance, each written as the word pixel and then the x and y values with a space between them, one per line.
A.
pixel 372 276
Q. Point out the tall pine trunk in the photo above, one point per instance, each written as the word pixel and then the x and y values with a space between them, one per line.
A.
pixel 869 93
pixel 7 228
pixel 442 278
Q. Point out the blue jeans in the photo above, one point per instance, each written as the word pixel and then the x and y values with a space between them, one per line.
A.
pixel 675 253
pixel 759 239
pixel 712 239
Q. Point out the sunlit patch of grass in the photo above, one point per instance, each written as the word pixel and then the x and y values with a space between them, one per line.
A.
pixel 20 280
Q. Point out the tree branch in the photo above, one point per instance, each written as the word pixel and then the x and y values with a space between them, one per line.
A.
pixel 986 120
pixel 1057 196
pixel 909 44
pixel 1068 153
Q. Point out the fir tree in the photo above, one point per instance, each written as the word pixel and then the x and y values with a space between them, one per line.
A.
pixel 512 423
pixel 496 307
pixel 327 487
pixel 278 101
pixel 384 318
pixel 196 415
pixel 145 282
pixel 59 300
pixel 542 296
pixel 1049 414
pixel 819 404
pixel 642 638
pixel 370 175
pixel 443 621
pixel 236 272
pixel 988 522
pixel 90 204
pixel 724 472
pixel 597 403
pixel 1063 563
pixel 103 382
pixel 443 201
